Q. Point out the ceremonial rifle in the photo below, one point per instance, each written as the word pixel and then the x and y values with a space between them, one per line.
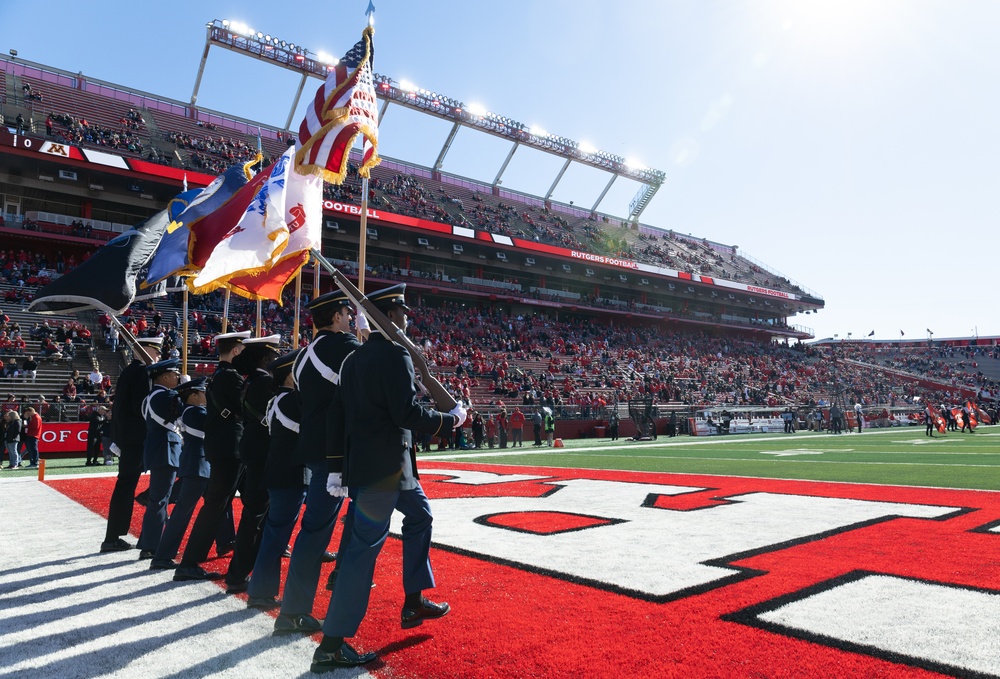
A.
pixel 445 401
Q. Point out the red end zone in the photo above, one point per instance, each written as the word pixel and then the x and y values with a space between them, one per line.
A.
pixel 555 572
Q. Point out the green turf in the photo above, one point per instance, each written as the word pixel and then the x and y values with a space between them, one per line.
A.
pixel 59 467
pixel 902 456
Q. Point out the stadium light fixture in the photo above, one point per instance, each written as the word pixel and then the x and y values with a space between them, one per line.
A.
pixel 240 37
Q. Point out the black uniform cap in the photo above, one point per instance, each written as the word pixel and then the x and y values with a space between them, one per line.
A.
pixel 281 366
pixel 330 302
pixel 160 367
pixel 197 384
pixel 394 295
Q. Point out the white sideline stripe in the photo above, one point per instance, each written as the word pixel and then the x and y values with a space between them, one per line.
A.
pixel 566 452
pixel 68 611
pixel 946 625
pixel 737 439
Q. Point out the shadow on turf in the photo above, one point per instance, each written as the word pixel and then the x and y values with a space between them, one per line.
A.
pixel 115 658
pixel 59 562
pixel 35 619
pixel 8 584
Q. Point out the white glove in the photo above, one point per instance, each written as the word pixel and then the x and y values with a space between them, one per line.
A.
pixel 335 485
pixel 115 450
pixel 459 412
pixel 361 320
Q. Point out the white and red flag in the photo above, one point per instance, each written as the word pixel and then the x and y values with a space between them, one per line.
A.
pixel 304 218
pixel 344 107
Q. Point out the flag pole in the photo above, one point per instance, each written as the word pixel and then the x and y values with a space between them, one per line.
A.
pixel 184 349
pixel 295 323
pixel 315 278
pixel 260 332
pixel 363 245
pixel 225 313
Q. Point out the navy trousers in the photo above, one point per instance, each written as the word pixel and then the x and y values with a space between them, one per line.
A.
pixel 123 496
pixel 161 480
pixel 281 517
pixel 373 510
pixel 313 539
pixel 191 490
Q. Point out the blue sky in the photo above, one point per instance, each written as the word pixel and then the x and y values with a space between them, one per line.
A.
pixel 852 145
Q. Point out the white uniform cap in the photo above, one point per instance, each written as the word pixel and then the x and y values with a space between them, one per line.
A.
pixel 274 340
pixel 234 335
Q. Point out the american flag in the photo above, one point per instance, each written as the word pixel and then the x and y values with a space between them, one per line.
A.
pixel 343 108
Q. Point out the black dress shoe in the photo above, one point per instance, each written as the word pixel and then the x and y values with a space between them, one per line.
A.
pixel 427 610
pixel 161 565
pixel 263 603
pixel 345 656
pixel 116 545
pixel 146 554
pixel 329 557
pixel 187 573
pixel 296 624
pixel 237 587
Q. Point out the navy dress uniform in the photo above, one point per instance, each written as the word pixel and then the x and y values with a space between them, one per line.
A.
pixel 193 472
pixel 128 435
pixel 376 413
pixel 162 450
pixel 286 481
pixel 258 388
pixel 316 373
pixel 223 429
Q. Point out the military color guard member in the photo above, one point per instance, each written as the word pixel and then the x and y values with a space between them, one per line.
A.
pixel 162 451
pixel 378 413
pixel 223 429
pixel 316 374
pixel 128 438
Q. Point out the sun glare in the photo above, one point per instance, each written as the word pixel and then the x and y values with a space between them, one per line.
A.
pixel 840 29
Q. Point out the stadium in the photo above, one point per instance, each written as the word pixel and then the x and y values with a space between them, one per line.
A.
pixel 701 538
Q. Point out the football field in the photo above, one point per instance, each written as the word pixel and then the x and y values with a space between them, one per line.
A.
pixel 898 456
pixel 779 555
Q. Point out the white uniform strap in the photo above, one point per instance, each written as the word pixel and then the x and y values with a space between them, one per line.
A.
pixel 274 413
pixel 188 429
pixel 149 413
pixel 328 373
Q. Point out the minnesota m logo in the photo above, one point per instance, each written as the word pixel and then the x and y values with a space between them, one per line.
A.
pixel 56 149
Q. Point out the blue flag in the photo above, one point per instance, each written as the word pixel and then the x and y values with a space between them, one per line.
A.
pixel 171 258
